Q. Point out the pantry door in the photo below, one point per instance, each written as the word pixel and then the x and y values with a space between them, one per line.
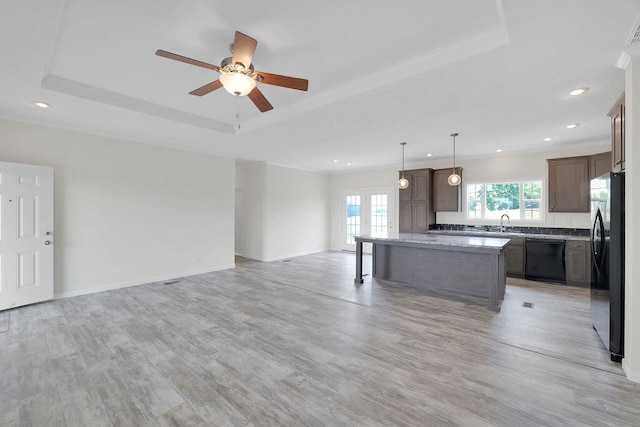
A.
pixel 366 212
pixel 26 234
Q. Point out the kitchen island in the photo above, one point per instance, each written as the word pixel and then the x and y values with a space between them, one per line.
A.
pixel 458 264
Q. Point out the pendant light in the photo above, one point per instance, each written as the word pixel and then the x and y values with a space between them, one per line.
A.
pixel 403 183
pixel 454 179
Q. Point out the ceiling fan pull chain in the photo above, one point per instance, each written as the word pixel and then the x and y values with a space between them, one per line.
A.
pixel 238 112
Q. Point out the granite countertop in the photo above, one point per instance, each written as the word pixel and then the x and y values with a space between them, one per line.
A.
pixel 488 242
pixel 507 234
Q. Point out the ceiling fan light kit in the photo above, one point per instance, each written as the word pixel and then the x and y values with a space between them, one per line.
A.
pixel 237 83
pixel 237 73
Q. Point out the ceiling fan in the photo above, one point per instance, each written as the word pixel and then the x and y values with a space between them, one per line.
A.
pixel 237 74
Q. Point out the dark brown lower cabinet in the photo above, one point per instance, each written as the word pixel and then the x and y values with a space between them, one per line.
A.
pixel 578 262
pixel 577 256
pixel 415 217
pixel 515 257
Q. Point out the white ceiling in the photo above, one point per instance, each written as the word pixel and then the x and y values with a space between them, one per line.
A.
pixel 380 72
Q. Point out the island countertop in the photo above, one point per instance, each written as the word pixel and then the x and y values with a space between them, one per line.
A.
pixel 437 240
pixel 471 265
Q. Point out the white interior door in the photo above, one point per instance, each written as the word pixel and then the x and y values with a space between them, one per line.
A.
pixel 366 212
pixel 26 234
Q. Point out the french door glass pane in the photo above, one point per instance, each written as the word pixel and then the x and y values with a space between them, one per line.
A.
pixel 353 218
pixel 379 213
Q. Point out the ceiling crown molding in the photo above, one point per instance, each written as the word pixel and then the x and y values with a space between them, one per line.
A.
pixel 69 87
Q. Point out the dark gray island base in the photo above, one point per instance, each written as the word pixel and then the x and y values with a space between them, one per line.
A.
pixel 458 264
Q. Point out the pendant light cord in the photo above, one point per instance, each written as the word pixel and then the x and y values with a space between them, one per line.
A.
pixel 454 154
pixel 403 183
pixel 403 144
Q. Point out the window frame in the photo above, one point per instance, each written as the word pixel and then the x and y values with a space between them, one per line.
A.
pixel 520 182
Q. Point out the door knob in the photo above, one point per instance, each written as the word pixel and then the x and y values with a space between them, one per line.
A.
pixel 47 242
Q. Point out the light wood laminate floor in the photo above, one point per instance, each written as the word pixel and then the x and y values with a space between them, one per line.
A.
pixel 297 343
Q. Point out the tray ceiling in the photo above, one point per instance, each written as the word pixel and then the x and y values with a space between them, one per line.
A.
pixel 379 73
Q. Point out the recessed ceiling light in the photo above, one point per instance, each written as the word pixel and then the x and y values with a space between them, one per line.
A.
pixel 42 104
pixel 335 161
pixel 573 125
pixel 349 164
pixel 429 154
pixel 547 139
pixel 578 91
pixel 499 150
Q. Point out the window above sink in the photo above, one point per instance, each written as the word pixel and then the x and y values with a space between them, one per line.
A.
pixel 521 201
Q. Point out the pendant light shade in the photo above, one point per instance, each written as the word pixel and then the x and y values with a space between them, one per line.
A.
pixel 454 179
pixel 403 183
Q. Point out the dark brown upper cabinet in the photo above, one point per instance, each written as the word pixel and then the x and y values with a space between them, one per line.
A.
pixel 446 198
pixel 599 164
pixel 569 184
pixel 617 135
pixel 569 180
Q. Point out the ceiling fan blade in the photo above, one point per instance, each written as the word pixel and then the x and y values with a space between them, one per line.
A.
pixel 283 81
pixel 259 100
pixel 243 48
pixel 184 59
pixel 208 88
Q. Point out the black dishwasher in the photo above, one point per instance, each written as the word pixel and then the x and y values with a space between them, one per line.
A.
pixel 545 260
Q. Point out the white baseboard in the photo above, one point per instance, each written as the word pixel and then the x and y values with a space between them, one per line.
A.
pixel 112 286
pixel 631 375
pixel 282 257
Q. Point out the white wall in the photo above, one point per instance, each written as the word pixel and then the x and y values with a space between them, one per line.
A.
pixel 128 213
pixel 252 182
pixel 286 211
pixel 631 361
pixel 239 221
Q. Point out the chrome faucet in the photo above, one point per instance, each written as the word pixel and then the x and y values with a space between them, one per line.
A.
pixel 502 226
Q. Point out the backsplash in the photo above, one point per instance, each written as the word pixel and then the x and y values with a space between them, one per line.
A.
pixel 526 230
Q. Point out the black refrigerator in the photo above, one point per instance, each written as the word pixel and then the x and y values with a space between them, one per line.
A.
pixel 607 261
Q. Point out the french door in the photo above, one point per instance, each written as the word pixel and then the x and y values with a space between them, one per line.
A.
pixel 366 212
pixel 26 234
